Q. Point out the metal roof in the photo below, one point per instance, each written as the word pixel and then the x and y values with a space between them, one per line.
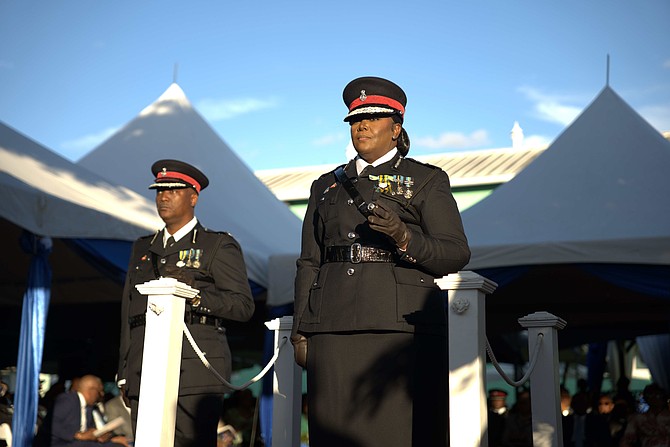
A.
pixel 465 169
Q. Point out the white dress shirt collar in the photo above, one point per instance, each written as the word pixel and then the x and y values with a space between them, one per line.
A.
pixel 180 233
pixel 362 164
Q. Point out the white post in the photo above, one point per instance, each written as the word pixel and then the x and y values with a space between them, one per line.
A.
pixel 544 380
pixel 467 357
pixel 286 388
pixel 161 360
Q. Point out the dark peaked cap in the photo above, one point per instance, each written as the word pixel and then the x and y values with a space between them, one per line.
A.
pixel 171 174
pixel 374 96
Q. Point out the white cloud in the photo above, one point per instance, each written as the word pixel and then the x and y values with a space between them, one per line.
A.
pixel 223 109
pixel 536 141
pixel 658 116
pixel 75 149
pixel 552 108
pixel 454 140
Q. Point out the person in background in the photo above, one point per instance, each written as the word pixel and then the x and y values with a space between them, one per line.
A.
pixel 650 429
pixel 369 322
pixel 6 405
pixel 209 261
pixel 519 425
pixel 497 414
pixel 73 420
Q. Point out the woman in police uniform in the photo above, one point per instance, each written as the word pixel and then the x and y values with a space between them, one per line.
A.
pixel 367 311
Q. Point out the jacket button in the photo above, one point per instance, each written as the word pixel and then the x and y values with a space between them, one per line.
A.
pixel 350 202
pixel 163 260
pixel 350 271
pixel 351 235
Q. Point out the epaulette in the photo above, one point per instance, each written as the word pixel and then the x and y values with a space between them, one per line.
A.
pixel 428 165
pixel 207 230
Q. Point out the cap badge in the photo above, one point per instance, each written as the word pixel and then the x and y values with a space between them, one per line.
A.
pixel 164 173
pixel 363 96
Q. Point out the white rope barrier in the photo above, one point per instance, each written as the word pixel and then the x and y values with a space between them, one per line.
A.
pixel 533 361
pixel 205 362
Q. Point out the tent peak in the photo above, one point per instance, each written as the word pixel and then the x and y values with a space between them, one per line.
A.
pixel 173 97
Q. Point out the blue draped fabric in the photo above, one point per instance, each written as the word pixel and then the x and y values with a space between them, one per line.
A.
pixel 655 351
pixel 31 342
pixel 652 280
pixel 504 276
pixel 596 361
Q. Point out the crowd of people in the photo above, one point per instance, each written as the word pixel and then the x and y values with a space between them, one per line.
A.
pixel 71 413
pixel 589 419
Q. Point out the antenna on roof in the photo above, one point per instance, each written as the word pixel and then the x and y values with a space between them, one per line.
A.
pixel 175 71
pixel 607 77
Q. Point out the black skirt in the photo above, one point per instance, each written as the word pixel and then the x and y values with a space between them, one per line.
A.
pixel 377 389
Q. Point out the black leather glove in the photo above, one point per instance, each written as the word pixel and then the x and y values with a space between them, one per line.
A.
pixel 387 221
pixel 181 274
pixel 185 275
pixel 299 343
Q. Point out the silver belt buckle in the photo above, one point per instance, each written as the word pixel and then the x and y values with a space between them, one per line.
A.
pixel 355 253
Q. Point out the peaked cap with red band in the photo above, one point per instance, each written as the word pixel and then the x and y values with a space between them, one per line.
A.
pixel 497 394
pixel 374 96
pixel 173 174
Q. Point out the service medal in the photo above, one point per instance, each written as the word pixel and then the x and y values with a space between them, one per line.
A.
pixel 182 256
pixel 196 263
pixel 408 185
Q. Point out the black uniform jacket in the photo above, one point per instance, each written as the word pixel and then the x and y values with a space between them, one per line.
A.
pixel 224 288
pixel 395 296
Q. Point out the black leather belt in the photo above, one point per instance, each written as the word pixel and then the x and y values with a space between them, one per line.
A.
pixel 141 320
pixel 357 253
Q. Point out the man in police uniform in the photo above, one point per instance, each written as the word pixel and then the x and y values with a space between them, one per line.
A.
pixel 369 322
pixel 209 261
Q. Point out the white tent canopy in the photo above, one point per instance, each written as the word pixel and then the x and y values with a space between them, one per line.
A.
pixel 598 194
pixel 235 201
pixel 50 196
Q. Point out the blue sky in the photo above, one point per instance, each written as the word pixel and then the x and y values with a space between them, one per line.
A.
pixel 268 76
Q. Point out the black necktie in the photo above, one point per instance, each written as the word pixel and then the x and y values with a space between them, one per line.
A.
pixel 366 171
pixel 90 422
pixel 170 242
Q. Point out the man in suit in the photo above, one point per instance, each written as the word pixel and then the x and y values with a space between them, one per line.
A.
pixel 376 234
pixel 72 420
pixel 209 261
